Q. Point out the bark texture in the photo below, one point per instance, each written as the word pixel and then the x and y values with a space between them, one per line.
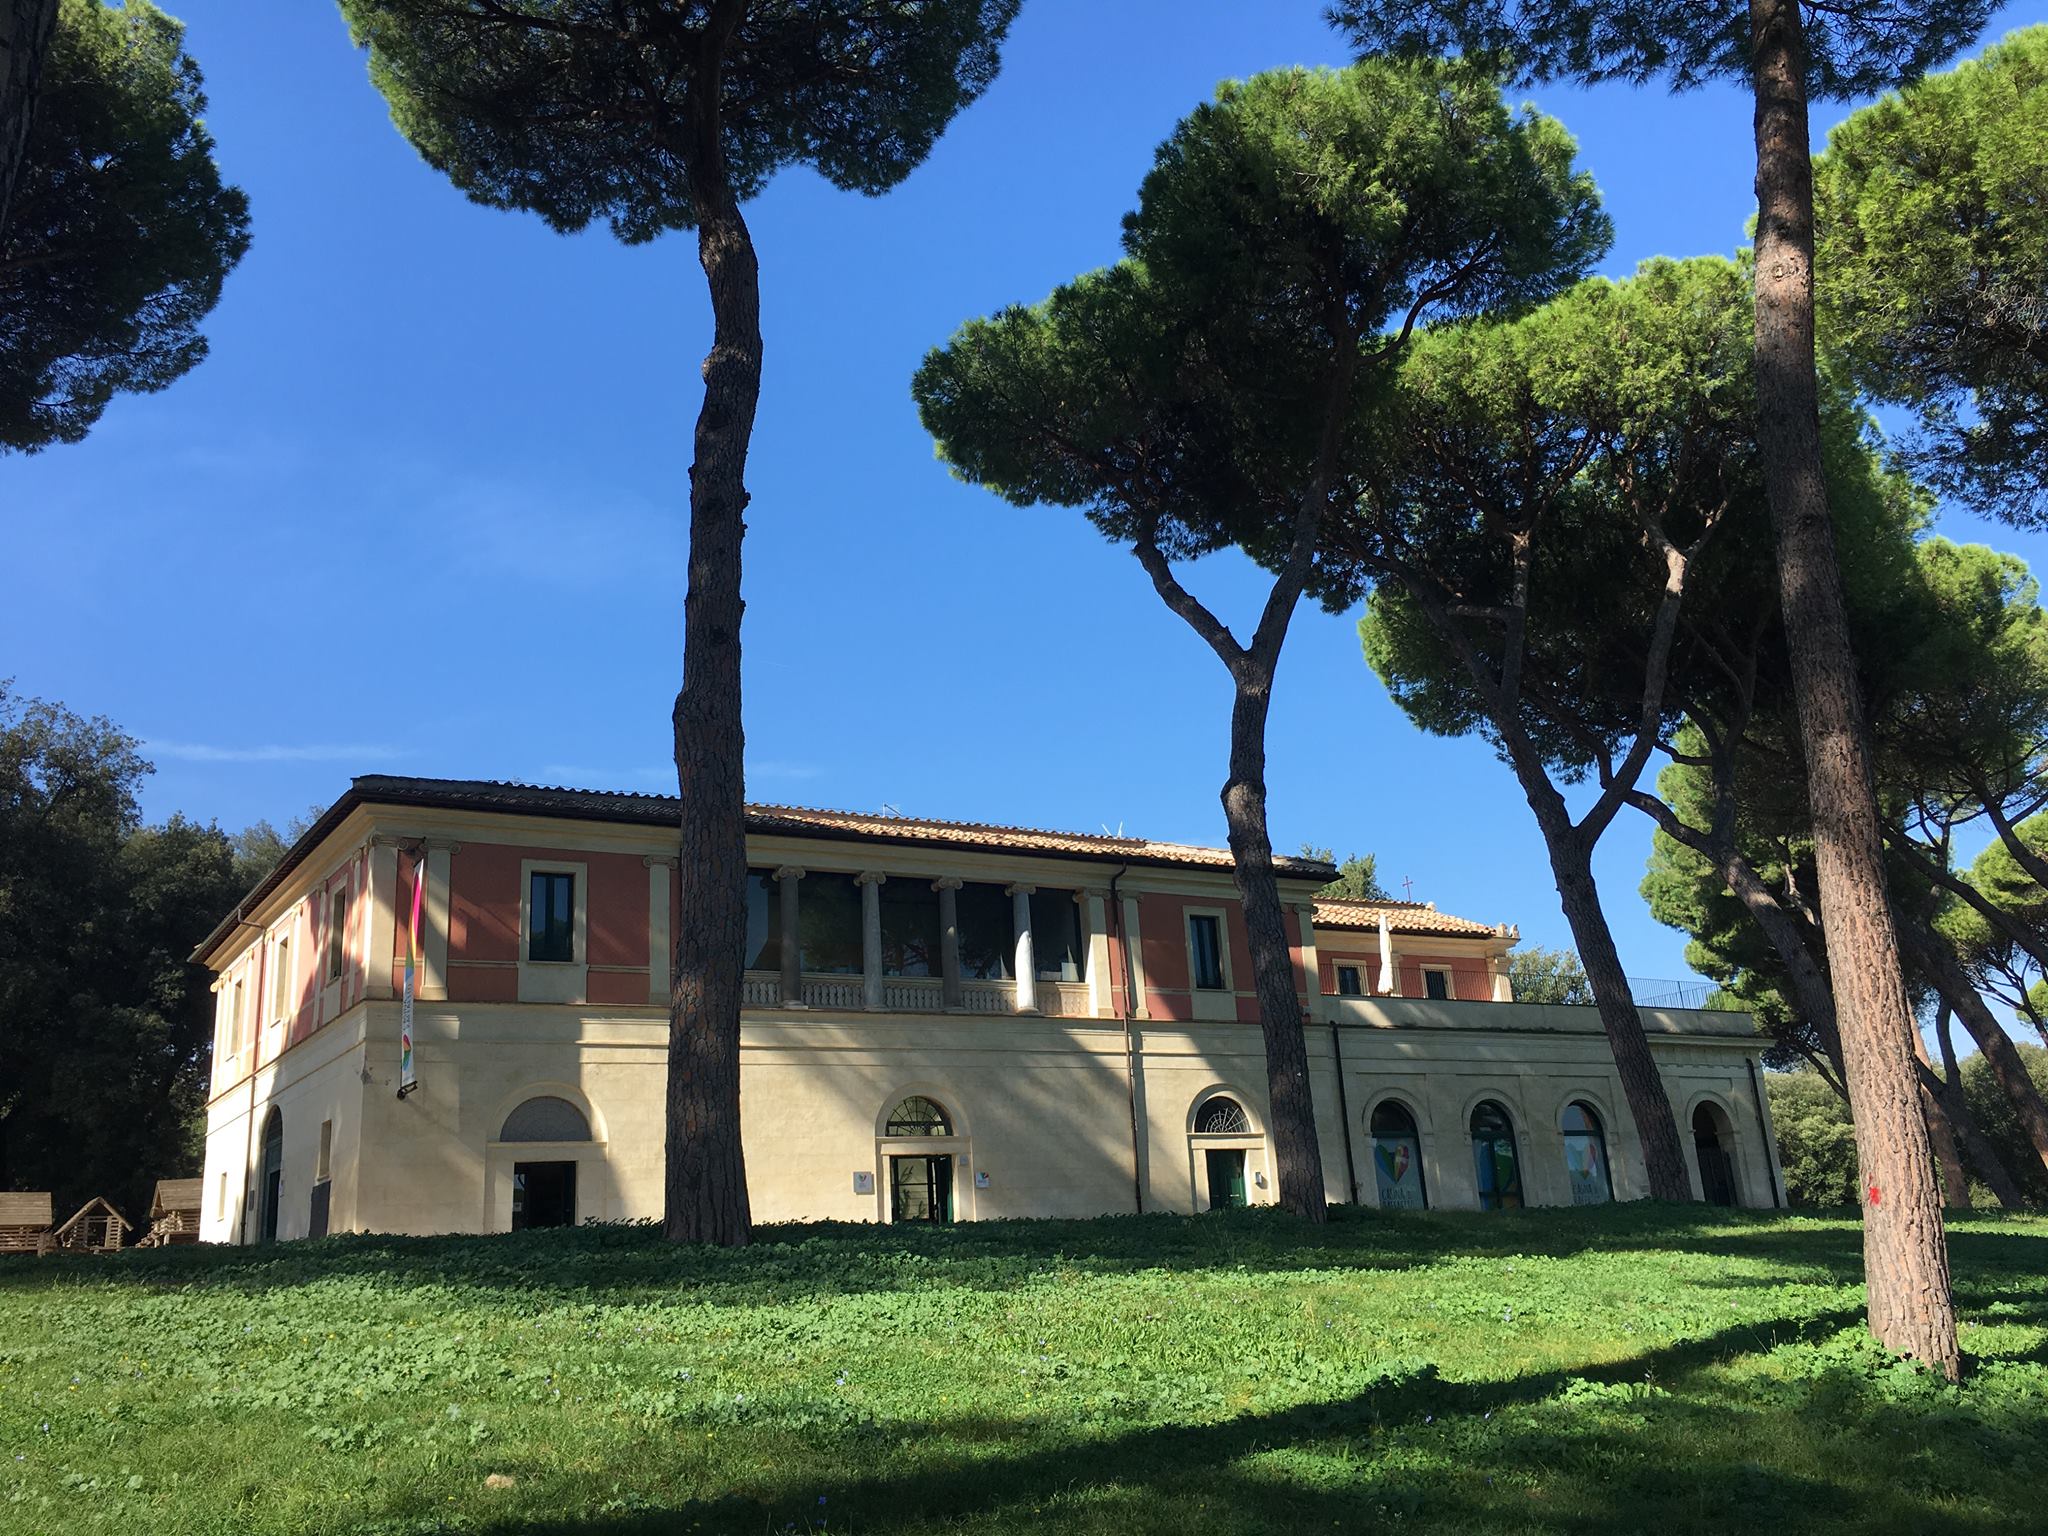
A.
pixel 706 1180
pixel 1905 1253
pixel 26 27
pixel 1297 1154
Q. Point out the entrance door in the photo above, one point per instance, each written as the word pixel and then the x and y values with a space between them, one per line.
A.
pixel 543 1195
pixel 270 1184
pixel 1226 1178
pixel 921 1189
pixel 1717 1168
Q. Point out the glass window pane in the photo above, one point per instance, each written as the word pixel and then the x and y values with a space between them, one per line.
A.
pixel 1206 942
pixel 910 928
pixel 1437 984
pixel 1222 1117
pixel 1056 936
pixel 1493 1156
pixel 917 1116
pixel 764 921
pixel 1347 981
pixel 550 917
pixel 987 932
pixel 828 923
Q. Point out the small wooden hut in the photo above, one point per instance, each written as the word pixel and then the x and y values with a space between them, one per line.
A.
pixel 173 1213
pixel 25 1222
pixel 95 1227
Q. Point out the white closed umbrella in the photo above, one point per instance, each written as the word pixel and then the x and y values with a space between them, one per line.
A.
pixel 1386 957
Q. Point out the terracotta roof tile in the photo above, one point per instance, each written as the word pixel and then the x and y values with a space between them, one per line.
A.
pixel 800 821
pixel 1412 917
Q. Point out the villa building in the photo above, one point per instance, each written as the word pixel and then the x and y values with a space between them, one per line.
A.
pixel 942 1021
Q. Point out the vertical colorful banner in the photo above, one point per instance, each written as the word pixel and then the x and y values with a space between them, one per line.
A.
pixel 407 1081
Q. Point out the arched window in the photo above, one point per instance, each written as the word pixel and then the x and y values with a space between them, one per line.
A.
pixel 546 1119
pixel 1713 1141
pixel 1222 1117
pixel 1493 1158
pixel 1397 1157
pixel 270 1181
pixel 918 1116
pixel 1585 1155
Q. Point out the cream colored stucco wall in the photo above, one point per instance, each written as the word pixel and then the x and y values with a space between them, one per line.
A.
pixel 1041 1107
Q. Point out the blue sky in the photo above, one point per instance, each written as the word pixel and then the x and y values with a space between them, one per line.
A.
pixel 422 509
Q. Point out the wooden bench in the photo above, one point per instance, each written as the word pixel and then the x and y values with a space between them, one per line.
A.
pixel 25 1222
pixel 95 1227
pixel 173 1213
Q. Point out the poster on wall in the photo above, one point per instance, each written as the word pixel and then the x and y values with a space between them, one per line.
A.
pixel 407 1081
pixel 1397 1160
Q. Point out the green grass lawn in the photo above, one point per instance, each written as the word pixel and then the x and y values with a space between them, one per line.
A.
pixel 1626 1369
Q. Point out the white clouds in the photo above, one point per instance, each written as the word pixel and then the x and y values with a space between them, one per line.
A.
pixel 274 752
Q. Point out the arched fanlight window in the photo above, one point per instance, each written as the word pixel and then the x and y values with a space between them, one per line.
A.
pixel 1585 1155
pixel 546 1118
pixel 1222 1117
pixel 1498 1170
pixel 1397 1157
pixel 918 1116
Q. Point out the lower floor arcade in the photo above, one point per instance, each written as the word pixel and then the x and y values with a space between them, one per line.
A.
pixel 530 1116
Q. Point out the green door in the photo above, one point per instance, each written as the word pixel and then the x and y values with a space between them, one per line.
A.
pixel 1226 1178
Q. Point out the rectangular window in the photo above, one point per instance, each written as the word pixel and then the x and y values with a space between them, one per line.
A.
pixel 1437 984
pixel 551 917
pixel 828 924
pixel 222 1208
pixel 764 921
pixel 1205 943
pixel 281 979
pixel 323 1165
pixel 1347 982
pixel 337 934
pixel 910 928
pixel 1056 936
pixel 988 931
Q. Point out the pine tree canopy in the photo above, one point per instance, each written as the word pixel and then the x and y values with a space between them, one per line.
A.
pixel 121 232
pixel 1854 47
pixel 577 110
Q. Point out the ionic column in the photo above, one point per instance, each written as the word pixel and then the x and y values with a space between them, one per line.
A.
pixel 1026 966
pixel 951 993
pixel 792 950
pixel 870 883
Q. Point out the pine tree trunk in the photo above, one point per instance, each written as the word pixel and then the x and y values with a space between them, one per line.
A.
pixel 706 1183
pixel 1938 964
pixel 26 27
pixel 1981 1154
pixel 1810 993
pixel 1905 1254
pixel 1297 1155
pixel 1641 1083
pixel 1947 1155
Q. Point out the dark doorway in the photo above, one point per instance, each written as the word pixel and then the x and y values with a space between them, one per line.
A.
pixel 543 1195
pixel 1226 1178
pixel 322 1198
pixel 270 1182
pixel 1717 1168
pixel 921 1189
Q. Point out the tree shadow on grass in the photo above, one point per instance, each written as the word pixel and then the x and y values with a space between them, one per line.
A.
pixel 1593 1451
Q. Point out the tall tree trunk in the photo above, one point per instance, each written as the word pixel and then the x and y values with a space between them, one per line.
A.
pixel 1905 1254
pixel 1641 1084
pixel 1947 1156
pixel 706 1176
pixel 26 27
pixel 1938 963
pixel 1810 989
pixel 1982 1155
pixel 1297 1155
